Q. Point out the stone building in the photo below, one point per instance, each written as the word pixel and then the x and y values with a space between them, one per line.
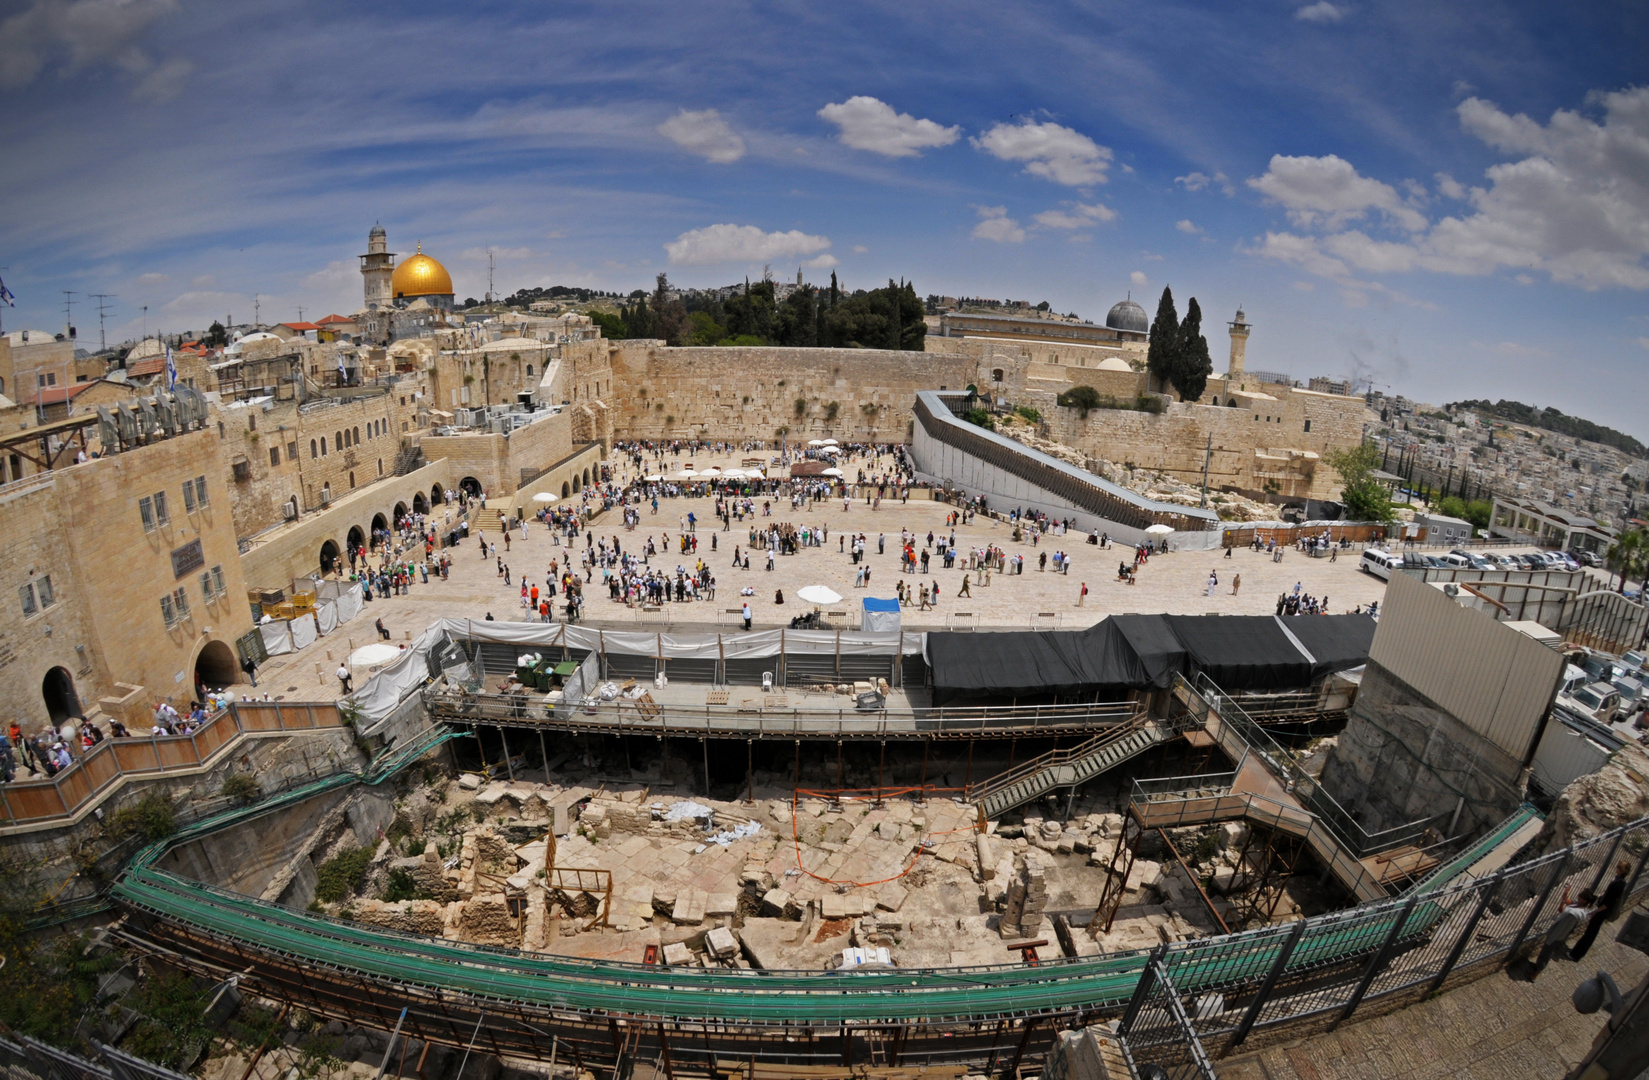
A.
pixel 126 582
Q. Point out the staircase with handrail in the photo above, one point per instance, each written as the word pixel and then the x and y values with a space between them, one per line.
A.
pixel 1067 768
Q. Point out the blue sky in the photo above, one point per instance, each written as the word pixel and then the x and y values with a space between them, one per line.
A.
pixel 1452 200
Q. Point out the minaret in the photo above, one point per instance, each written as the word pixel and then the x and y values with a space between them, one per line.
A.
pixel 1239 345
pixel 377 267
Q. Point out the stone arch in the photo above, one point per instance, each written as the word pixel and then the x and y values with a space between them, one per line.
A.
pixel 529 373
pixel 62 700
pixel 420 505
pixel 356 538
pixel 379 524
pixel 437 494
pixel 352 480
pixel 586 477
pixel 313 453
pixel 356 435
pixel 215 665
pixel 400 511
pixel 576 487
pixel 566 489
pixel 329 556
pixel 471 486
pixel 293 504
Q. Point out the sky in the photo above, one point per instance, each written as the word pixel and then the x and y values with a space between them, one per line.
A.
pixel 1439 200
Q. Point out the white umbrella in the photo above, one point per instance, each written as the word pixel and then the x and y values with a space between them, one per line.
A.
pixel 1160 530
pixel 830 450
pixel 711 471
pixel 754 474
pixel 373 655
pixel 831 472
pixel 818 594
pixel 686 474
pixel 546 497
pixel 733 474
pixel 815 442
pixel 653 479
pixel 827 442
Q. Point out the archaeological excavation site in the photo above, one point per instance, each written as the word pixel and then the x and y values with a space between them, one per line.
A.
pixel 1127 851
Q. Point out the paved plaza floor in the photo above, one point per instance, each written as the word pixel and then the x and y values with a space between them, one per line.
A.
pixel 1175 582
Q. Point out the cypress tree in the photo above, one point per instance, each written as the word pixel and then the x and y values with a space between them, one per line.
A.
pixel 1162 358
pixel 1193 365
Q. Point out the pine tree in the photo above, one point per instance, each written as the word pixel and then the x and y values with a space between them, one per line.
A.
pixel 1192 366
pixel 1162 358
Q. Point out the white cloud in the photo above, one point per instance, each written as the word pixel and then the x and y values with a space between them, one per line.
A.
pixel 869 124
pixel 203 281
pixel 1574 205
pixel 1197 181
pixel 150 280
pixel 704 133
pixel 995 224
pixel 741 243
pixel 82 32
pixel 1186 225
pixel 1080 216
pixel 821 262
pixel 859 249
pixel 1449 187
pixel 1321 13
pixel 1138 277
pixel 1327 191
pixel 1644 341
pixel 1050 150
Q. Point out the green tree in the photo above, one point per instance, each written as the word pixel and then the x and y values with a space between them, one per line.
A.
pixel 1365 498
pixel 612 327
pixel 1192 366
pixel 703 329
pixel 1162 357
pixel 216 336
pixel 670 315
pixel 1627 555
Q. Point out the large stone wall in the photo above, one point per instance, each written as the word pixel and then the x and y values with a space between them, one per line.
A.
pixel 752 392
pixel 497 462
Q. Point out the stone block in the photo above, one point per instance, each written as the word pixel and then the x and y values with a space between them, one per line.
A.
pixel 677 955
pixel 891 896
pixel 834 906
pixel 470 782
pixel 722 905
pixel 689 909
pixel 778 903
pixel 721 943
pixel 985 847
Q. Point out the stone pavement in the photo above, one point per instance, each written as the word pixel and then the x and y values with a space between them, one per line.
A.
pixel 1174 582
pixel 1490 1029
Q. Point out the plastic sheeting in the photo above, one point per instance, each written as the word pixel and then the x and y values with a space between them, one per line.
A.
pixel 880 616
pixel 1243 652
pixel 326 616
pixel 303 631
pixel 277 637
pixel 348 605
pixel 1335 642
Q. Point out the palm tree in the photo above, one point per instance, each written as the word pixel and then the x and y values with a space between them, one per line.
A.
pixel 1626 554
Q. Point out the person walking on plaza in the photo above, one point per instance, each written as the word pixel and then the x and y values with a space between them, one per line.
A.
pixel 745 613
pixel 1236 583
pixel 344 678
pixel 1213 583
pixel 1082 594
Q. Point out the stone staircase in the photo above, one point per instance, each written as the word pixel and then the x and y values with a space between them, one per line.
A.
pixel 1068 768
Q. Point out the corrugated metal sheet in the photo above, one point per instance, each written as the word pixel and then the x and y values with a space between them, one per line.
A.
pixel 1491 678
pixel 1566 754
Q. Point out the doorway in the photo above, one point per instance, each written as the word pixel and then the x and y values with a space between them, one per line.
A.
pixel 62 701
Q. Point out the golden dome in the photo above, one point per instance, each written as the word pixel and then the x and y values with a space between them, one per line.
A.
pixel 420 276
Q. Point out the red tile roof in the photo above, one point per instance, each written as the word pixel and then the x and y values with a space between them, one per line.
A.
pixel 149 365
pixel 335 319
pixel 304 326
pixel 57 395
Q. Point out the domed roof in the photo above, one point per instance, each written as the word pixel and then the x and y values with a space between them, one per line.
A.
pixel 1128 316
pixel 1114 363
pixel 420 276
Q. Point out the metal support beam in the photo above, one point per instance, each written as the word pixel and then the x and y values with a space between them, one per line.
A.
pixel 1559 868
pixel 1252 1016
pixel 1465 937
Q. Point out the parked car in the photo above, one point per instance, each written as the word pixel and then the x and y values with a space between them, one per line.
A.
pixel 1473 559
pixel 1585 558
pixel 1380 563
pixel 1598 701
pixel 1453 558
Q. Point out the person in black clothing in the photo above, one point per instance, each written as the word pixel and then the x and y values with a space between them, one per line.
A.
pixel 1608 908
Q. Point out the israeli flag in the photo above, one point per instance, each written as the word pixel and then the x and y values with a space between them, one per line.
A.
pixel 171 369
pixel 6 296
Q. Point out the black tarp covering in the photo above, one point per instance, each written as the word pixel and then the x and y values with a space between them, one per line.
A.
pixel 1151 639
pixel 1239 652
pixel 1242 652
pixel 1335 642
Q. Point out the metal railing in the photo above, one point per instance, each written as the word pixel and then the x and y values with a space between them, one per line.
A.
pixel 1055 758
pixel 1250 736
pixel 759 720
pixel 111 762
pixel 1156 1029
pixel 31 1059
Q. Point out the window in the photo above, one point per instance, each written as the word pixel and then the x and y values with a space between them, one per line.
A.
pixel 337 440
pixel 312 452
pixel 174 607
pixel 251 421
pixel 1308 425
pixel 292 451
pixel 211 584
pixel 26 595
pixel 49 379
pixel 529 371
pixel 274 456
pixel 380 466
pixel 152 509
pixel 194 495
pixel 357 434
pixel 43 586
pixel 323 445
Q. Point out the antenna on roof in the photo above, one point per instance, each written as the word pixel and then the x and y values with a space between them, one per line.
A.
pixel 102 309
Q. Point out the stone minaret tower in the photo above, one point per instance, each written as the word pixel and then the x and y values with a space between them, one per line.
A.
pixel 377 267
pixel 1239 345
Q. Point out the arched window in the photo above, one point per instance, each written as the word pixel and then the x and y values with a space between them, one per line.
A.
pixel 357 435
pixel 337 440
pixel 996 375
pixel 380 466
pixel 351 479
pixel 529 371
pixel 313 453
pixel 1216 399
pixel 323 445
